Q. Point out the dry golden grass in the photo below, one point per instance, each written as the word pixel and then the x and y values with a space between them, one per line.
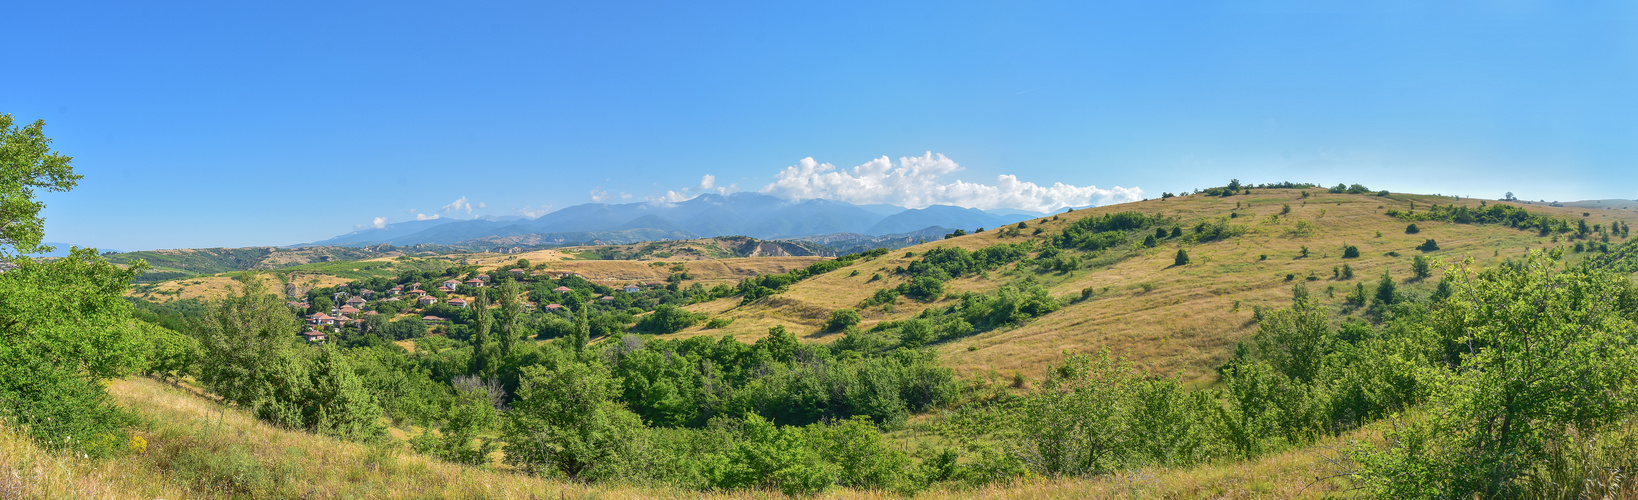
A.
pixel 1185 321
pixel 247 458
pixel 218 286
pixel 710 272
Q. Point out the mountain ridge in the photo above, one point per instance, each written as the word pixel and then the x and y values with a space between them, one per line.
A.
pixel 709 215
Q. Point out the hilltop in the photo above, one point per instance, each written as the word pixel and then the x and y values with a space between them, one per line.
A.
pixel 1171 319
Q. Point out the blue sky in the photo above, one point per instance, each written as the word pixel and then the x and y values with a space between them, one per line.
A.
pixel 239 124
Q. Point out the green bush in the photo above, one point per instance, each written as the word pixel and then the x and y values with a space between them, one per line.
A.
pixel 924 288
pixel 668 318
pixel 1551 359
pixel 843 318
pixel 718 322
pixel 63 326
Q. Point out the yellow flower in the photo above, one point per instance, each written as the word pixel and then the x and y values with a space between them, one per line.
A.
pixel 138 445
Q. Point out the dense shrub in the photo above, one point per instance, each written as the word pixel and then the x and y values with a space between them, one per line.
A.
pixel 842 319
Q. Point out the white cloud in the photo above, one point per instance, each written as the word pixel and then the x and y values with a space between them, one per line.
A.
pixel 427 217
pixel 598 195
pixel 459 206
pixel 669 198
pixel 533 212
pixel 708 182
pixel 914 182
pixel 379 222
pixel 483 205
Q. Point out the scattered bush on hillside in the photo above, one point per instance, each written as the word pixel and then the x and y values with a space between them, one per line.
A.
pixel 842 319
pixel 1182 258
pixel 1428 246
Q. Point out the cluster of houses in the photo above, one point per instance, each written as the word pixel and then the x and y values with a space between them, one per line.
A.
pixel 350 311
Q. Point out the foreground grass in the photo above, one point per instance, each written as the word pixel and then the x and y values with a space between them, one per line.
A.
pixel 197 448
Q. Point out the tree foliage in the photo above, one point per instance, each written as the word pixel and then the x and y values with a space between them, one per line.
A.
pixel 1536 355
pixel 27 165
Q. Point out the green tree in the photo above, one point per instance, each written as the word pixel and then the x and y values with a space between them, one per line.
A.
pixel 510 295
pixel 1149 241
pixel 27 165
pixel 63 323
pixel 486 352
pixel 581 335
pixel 668 318
pixel 337 402
pixel 565 419
pixel 1182 258
pixel 465 419
pixel 63 327
pixel 1421 267
pixel 246 342
pixel 1542 355
pixel 1350 252
pixel 1386 292
pixel 320 304
pixel 915 333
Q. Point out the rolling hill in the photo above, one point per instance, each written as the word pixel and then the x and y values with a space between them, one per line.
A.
pixel 1181 320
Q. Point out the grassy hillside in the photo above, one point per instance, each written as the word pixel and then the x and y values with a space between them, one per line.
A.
pixel 1172 319
pixel 196 448
pixel 173 264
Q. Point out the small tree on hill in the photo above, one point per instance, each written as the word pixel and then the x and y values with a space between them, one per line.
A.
pixel 1421 267
pixel 1428 246
pixel 1350 252
pixel 1412 229
pixel 1182 257
pixel 1386 290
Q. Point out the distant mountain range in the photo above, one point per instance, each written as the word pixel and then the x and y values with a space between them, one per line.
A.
pixel 739 214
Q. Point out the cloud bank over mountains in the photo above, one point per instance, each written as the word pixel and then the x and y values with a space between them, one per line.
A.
pixel 912 182
pixel 917 182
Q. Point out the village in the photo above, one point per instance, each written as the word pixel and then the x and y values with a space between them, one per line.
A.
pixel 354 308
